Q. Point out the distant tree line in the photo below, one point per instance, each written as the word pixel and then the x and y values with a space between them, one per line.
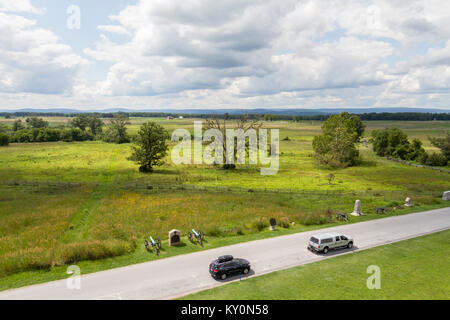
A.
pixel 83 127
pixel 384 116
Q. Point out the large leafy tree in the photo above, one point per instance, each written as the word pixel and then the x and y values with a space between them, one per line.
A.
pixel 151 146
pixel 336 146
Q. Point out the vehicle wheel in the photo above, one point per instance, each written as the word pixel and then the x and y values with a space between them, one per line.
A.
pixel 246 270
pixel 325 250
pixel 223 276
pixel 350 245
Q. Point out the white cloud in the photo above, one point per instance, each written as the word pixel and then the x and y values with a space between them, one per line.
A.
pixel 303 53
pixel 19 6
pixel 33 60
pixel 114 29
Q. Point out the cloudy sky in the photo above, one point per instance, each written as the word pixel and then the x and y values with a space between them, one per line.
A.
pixel 157 54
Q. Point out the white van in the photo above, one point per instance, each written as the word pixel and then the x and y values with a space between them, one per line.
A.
pixel 327 241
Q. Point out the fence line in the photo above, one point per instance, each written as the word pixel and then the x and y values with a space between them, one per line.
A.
pixel 39 183
pixel 409 163
pixel 331 193
pixel 190 187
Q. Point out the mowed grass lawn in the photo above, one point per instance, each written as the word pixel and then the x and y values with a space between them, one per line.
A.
pixel 85 203
pixel 415 269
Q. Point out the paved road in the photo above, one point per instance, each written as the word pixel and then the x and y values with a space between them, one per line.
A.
pixel 176 276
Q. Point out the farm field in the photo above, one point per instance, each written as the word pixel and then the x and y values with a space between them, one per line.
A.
pixel 85 203
pixel 415 269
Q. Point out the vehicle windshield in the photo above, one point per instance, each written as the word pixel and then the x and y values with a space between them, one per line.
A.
pixel 314 240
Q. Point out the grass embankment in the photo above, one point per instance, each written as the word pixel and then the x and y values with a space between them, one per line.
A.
pixel 412 269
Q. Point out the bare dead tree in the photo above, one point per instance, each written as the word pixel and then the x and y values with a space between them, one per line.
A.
pixel 243 123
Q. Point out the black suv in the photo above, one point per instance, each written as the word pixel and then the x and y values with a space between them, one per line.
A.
pixel 227 265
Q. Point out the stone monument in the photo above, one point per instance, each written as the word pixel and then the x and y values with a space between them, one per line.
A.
pixel 357 210
pixel 446 196
pixel 273 223
pixel 408 202
pixel 174 237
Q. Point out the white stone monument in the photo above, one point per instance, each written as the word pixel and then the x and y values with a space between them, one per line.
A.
pixel 357 210
pixel 408 202
pixel 446 196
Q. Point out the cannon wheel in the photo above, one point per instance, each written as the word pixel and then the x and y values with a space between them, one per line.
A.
pixel 200 238
pixel 158 243
pixel 190 235
pixel 202 235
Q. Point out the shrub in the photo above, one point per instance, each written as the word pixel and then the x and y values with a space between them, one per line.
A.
pixel 4 139
pixel 92 250
pixel 44 258
pixel 436 159
pixel 315 218
pixel 393 204
pixel 260 224
pixel 238 231
pixel 214 231
pixel 284 223
pixel 423 158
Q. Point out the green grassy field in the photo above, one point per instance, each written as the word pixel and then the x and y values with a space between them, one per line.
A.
pixel 85 203
pixel 413 269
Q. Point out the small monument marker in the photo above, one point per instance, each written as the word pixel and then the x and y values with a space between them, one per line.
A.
pixel 357 209
pixel 408 202
pixel 174 237
pixel 273 223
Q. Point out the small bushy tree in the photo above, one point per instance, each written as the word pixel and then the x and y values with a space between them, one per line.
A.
pixel 18 125
pixel 4 139
pixel 117 130
pixel 151 146
pixel 435 159
pixel 443 144
pixel 36 123
pixel 394 142
pixel 83 122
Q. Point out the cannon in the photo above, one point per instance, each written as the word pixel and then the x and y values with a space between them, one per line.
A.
pixel 155 245
pixel 199 236
pixel 341 216
pixel 381 210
